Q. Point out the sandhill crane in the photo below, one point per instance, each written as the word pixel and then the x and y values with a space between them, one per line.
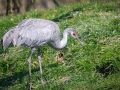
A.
pixel 35 33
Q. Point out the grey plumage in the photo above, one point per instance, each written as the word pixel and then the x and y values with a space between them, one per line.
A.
pixel 31 33
pixel 35 33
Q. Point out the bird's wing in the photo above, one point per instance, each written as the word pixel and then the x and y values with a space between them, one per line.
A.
pixel 31 35
pixel 36 32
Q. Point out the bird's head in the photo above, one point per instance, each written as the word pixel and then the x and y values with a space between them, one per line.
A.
pixel 73 33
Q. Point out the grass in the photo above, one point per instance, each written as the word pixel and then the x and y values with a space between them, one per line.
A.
pixel 96 66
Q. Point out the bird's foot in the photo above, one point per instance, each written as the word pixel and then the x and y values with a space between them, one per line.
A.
pixel 43 81
pixel 31 86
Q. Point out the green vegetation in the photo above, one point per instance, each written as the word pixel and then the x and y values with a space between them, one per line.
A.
pixel 96 66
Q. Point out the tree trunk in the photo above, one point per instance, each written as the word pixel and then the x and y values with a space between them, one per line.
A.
pixel 13 7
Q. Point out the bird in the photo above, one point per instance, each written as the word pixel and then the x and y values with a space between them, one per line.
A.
pixel 35 33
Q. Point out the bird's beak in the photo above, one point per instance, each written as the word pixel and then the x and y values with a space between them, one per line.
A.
pixel 79 41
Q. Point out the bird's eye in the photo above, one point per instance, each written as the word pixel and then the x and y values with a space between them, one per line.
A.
pixel 74 33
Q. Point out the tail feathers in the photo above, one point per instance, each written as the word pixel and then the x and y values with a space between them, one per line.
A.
pixel 6 43
pixel 7 39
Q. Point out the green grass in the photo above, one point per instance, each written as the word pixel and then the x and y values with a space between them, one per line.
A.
pixel 96 66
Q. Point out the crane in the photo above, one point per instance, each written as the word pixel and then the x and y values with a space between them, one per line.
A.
pixel 35 33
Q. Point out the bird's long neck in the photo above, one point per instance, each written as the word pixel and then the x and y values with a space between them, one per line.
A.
pixel 59 44
pixel 63 42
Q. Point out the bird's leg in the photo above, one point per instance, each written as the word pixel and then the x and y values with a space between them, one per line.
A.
pixel 29 66
pixel 40 65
